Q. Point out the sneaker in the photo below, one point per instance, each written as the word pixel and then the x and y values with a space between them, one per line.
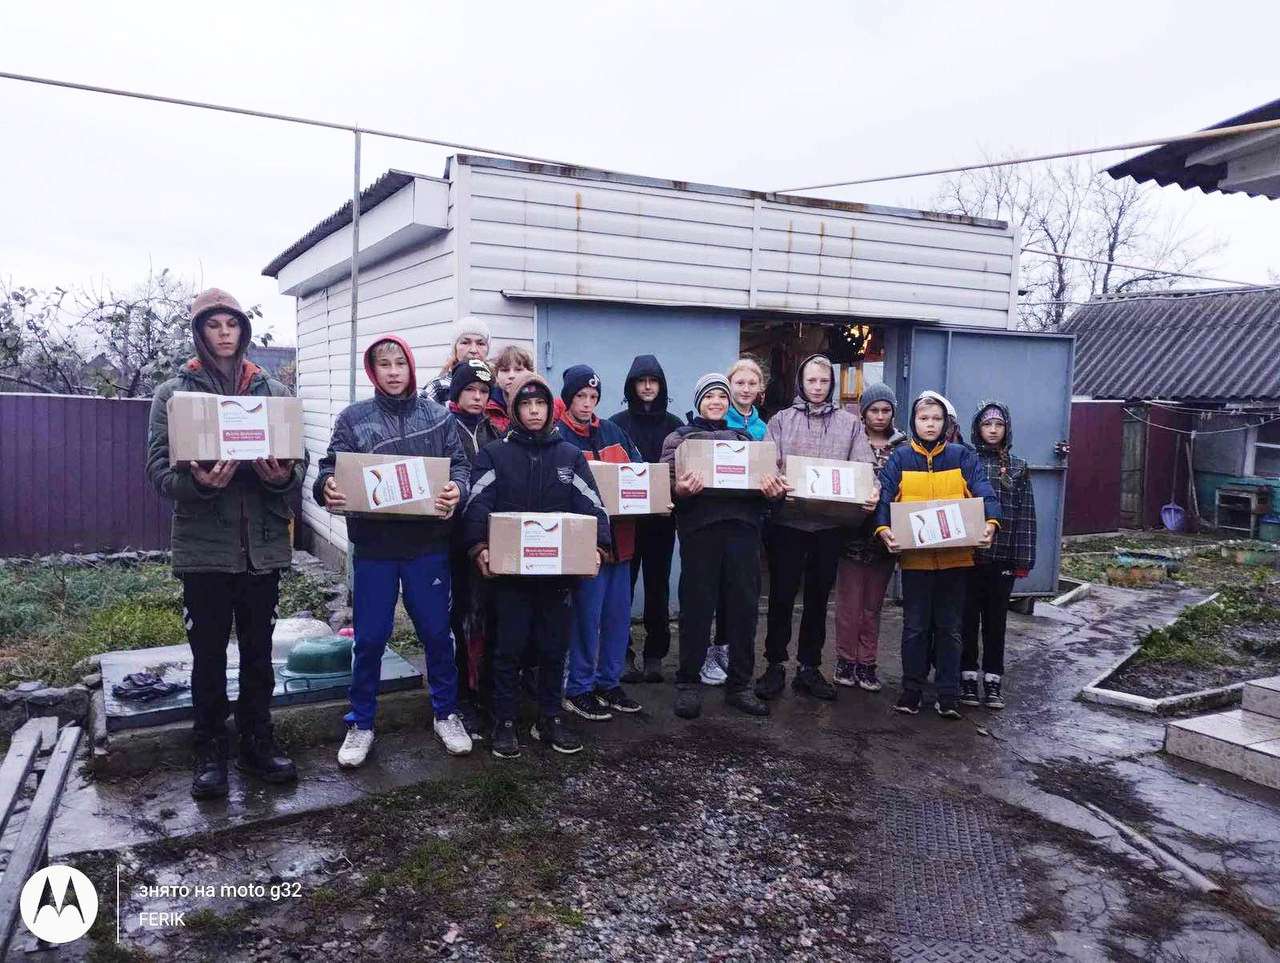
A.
pixel 688 700
pixel 712 673
pixel 633 673
pixel 811 681
pixel 355 748
pixel 867 678
pixel 722 656
pixel 969 689
pixel 772 681
pixel 948 708
pixel 617 698
pixel 991 697
pixel 652 670
pixel 744 700
pixel 453 734
pixel 846 673
pixel 473 721
pixel 553 731
pixel 505 743
pixel 587 705
pixel 261 756
pixel 209 771
pixel 908 702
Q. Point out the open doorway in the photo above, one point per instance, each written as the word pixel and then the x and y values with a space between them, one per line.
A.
pixel 855 347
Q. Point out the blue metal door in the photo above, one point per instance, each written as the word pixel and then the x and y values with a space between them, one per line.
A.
pixel 1032 374
pixel 687 343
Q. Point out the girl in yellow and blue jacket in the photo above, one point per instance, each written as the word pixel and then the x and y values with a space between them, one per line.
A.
pixel 933 580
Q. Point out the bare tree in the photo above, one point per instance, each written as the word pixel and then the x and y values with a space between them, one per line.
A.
pixel 1070 208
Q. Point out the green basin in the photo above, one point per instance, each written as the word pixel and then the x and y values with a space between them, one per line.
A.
pixel 329 655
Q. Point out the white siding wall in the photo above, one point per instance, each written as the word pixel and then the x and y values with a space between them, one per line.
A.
pixel 412 295
pixel 583 238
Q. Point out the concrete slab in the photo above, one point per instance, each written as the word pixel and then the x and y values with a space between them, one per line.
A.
pixel 1261 764
pixel 1263 697
pixel 1236 726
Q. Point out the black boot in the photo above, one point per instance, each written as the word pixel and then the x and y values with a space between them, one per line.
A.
pixel 261 757
pixel 810 680
pixel 634 673
pixel 209 773
pixel 772 681
pixel 744 700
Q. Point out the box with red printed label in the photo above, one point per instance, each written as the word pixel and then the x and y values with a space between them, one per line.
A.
pixel 209 428
pixel 542 543
pixel 633 488
pixel 728 465
pixel 390 485
pixel 945 523
pixel 829 487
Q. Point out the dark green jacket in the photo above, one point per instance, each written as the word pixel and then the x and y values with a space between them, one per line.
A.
pixel 242 527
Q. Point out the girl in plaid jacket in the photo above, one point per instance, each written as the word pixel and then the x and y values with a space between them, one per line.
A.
pixel 1012 556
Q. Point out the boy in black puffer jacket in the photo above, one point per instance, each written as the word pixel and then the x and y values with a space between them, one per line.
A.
pixel 648 423
pixel 532 469
pixel 1011 556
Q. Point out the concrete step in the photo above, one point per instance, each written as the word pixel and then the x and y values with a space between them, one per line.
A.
pixel 1263 697
pixel 1243 743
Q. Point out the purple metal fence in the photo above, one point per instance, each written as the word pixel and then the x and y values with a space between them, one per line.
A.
pixel 73 476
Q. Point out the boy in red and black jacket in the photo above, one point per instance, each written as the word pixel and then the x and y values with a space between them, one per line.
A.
pixel 601 630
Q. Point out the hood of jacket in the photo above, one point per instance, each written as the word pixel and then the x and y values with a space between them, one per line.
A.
pixel 802 402
pixel 645 366
pixel 534 382
pixel 948 422
pixel 408 353
pixel 208 302
pixel 975 433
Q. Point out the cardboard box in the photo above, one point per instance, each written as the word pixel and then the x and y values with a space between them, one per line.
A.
pixel 209 428
pixel 829 487
pixel 403 486
pixel 728 465
pixel 633 489
pixel 944 523
pixel 542 543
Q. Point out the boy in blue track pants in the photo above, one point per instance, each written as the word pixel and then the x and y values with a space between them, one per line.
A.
pixel 391 557
pixel 601 629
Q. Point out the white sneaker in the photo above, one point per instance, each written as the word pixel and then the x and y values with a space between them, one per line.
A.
pixel 355 748
pixel 712 673
pixel 453 734
pixel 722 657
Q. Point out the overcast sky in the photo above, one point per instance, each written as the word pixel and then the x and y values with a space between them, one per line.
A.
pixel 755 95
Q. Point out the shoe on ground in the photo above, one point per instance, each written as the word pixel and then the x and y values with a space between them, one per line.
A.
pixel 712 673
pixel 617 699
pixel 722 656
pixel 586 705
pixel 505 743
pixel 209 770
pixel 744 700
pixel 473 720
pixel 652 670
pixel 260 756
pixel 867 678
pixel 553 731
pixel 810 680
pixel 688 700
pixel 948 708
pixel 846 673
pixel 355 748
pixel 772 681
pixel 633 674
pixel 991 697
pixel 969 689
pixel 453 734
pixel 908 702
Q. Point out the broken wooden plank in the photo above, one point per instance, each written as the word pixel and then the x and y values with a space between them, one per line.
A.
pixel 17 765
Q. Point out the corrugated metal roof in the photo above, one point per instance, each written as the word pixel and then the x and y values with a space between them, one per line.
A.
pixel 1168 164
pixel 1219 345
pixel 370 197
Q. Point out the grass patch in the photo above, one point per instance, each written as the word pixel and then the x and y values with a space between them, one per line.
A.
pixel 207 921
pixel 1201 635
pixel 431 868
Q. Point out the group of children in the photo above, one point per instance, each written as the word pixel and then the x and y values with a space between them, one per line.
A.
pixel 515 445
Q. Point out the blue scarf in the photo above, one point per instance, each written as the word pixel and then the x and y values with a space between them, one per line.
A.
pixel 753 424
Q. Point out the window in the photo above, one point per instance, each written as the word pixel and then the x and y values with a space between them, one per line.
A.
pixel 1265 449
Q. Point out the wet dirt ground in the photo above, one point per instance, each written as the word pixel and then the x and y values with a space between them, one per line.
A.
pixel 828 831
